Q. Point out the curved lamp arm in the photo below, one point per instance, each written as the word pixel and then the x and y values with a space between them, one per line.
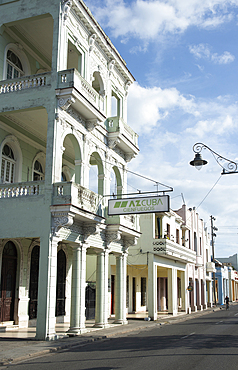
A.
pixel 227 165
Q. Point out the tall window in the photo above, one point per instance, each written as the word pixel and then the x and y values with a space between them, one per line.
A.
pixel 8 165
pixel 177 236
pixel 38 173
pixel 14 66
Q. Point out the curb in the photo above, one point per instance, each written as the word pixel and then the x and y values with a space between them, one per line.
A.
pixel 91 339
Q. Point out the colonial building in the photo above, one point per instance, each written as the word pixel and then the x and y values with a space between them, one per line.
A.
pixel 169 270
pixel 63 119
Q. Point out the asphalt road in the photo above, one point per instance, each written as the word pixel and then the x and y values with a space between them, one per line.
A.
pixel 207 342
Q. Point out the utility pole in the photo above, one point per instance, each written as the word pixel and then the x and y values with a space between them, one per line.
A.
pixel 213 235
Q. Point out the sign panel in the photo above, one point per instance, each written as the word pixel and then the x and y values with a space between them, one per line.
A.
pixel 138 205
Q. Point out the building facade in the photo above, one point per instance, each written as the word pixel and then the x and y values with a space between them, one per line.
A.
pixel 169 269
pixel 63 104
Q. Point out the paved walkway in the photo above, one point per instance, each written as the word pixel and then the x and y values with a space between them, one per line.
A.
pixel 19 344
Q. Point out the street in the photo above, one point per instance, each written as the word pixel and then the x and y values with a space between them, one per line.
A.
pixel 207 342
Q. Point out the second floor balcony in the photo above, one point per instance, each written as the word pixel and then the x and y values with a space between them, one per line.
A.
pixel 170 249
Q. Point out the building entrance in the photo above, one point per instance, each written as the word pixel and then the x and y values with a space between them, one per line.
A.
pixel 8 282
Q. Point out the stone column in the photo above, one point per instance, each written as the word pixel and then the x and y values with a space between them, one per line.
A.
pixel 100 290
pixel 152 287
pixel 77 312
pixel 172 291
pixel 45 327
pixel 124 272
pixel 199 295
pixel 82 317
pixel 106 297
pixel 119 291
pixel 184 292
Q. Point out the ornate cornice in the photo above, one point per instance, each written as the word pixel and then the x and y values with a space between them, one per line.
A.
pixel 112 236
pixel 113 142
pixel 91 41
pixel 129 156
pixel 66 5
pixel 90 229
pixel 129 242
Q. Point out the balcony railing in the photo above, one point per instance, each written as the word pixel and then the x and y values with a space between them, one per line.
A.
pixel 72 78
pixel 173 250
pixel 25 82
pixel 77 195
pixel 130 221
pixel 21 189
pixel 117 124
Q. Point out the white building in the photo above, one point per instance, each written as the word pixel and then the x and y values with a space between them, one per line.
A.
pixel 169 270
pixel 63 104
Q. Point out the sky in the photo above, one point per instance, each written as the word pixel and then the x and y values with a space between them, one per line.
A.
pixel 183 55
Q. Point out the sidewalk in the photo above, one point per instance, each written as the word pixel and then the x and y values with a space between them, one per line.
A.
pixel 18 345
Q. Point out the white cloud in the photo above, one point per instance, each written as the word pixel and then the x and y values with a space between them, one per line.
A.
pixel 203 51
pixel 149 19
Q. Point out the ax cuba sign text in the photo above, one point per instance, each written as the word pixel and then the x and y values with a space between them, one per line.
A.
pixel 138 205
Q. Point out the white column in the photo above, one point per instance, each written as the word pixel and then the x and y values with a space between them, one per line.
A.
pixel 82 317
pixel 184 292
pixel 75 292
pixel 199 295
pixel 124 272
pixel 119 291
pixel 45 327
pixel 100 287
pixel 152 287
pixel 172 291
pixel 106 297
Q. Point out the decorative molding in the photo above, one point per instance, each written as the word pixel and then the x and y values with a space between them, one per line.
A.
pixel 72 112
pixel 66 5
pixel 129 156
pixel 129 242
pixel 91 124
pixel 127 85
pixel 62 219
pixel 91 41
pixel 111 66
pixel 65 103
pixel 112 236
pixel 90 229
pixel 113 142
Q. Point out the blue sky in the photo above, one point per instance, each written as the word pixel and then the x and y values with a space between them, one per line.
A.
pixel 184 57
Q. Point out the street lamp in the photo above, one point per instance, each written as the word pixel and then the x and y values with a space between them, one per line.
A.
pixel 227 165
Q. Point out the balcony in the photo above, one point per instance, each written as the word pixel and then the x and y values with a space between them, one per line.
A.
pixel 210 267
pixel 84 98
pixel 199 261
pixel 122 136
pixel 127 221
pixel 170 249
pixel 25 83
pixel 22 190
pixel 71 194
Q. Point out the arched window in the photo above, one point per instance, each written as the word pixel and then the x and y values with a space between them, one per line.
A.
pixel 8 165
pixel 14 65
pixel 38 173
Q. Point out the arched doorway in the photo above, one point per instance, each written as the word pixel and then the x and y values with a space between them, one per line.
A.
pixel 8 282
pixel 61 280
pixel 34 278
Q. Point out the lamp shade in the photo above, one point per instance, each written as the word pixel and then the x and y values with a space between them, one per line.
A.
pixel 198 162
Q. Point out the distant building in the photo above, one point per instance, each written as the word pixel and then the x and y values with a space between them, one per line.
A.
pixel 232 260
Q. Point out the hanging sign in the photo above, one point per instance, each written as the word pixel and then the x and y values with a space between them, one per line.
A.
pixel 137 205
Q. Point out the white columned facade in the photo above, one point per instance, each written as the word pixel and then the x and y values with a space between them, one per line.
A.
pixel 82 317
pixel 45 327
pixel 152 287
pixel 172 291
pixel 124 272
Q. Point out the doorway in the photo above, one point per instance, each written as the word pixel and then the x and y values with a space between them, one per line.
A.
pixel 60 285
pixel 34 277
pixel 134 294
pixel 8 279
